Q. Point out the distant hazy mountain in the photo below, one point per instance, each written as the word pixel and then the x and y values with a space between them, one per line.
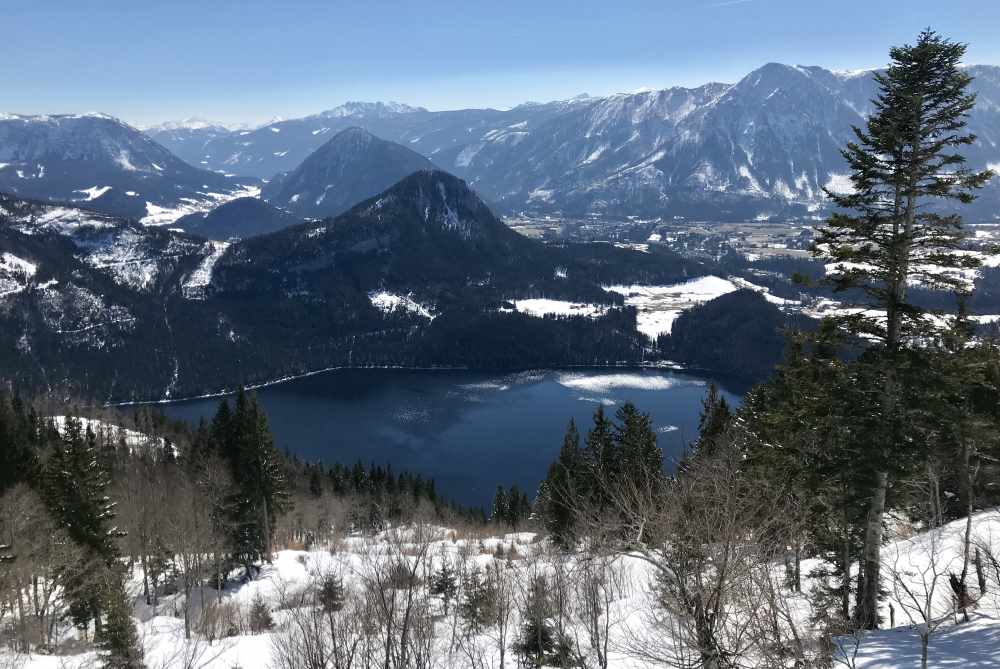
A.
pixel 353 166
pixel 242 217
pixel 283 145
pixel 762 147
pixel 98 161
pixel 187 138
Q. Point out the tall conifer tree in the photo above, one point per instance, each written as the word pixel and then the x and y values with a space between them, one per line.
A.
pixel 886 235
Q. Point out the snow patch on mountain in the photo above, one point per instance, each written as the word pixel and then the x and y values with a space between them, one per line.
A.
pixel 659 306
pixel 93 192
pixel 387 302
pixel 541 307
pixel 157 215
pixel 197 282
pixel 15 273
pixel 840 184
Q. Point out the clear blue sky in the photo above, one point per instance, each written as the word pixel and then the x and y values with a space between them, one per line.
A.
pixel 153 60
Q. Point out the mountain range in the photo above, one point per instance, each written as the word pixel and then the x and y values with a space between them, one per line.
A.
pixel 104 164
pixel 422 274
pixel 764 147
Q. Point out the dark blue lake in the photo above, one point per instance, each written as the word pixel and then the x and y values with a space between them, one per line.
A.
pixel 468 430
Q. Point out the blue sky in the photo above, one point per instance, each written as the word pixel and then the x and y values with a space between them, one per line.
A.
pixel 151 60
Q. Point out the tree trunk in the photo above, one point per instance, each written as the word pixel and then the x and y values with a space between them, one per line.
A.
pixel 867 613
pixel 267 532
pixel 845 576
pixel 965 492
pixel 798 566
pixel 980 574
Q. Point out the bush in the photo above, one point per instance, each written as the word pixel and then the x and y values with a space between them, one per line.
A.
pixel 401 577
pixel 331 594
pixel 260 616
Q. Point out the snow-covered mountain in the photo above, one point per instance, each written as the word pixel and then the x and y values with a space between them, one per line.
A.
pixel 125 311
pixel 283 145
pixel 353 166
pixel 192 123
pixel 428 230
pixel 765 146
pixel 105 164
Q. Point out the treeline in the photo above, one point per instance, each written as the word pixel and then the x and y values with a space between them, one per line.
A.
pixel 618 460
pixel 88 507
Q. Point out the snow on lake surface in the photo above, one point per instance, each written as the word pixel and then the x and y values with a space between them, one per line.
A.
pixel 605 383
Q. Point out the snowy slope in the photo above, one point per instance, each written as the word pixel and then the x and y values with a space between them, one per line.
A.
pixel 107 164
pixel 975 644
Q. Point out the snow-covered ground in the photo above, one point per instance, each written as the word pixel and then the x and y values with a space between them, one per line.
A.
pixel 541 306
pixel 15 273
pixel 111 433
pixel 387 302
pixel 157 215
pixel 197 281
pixel 659 306
pixel 915 573
pixel 915 570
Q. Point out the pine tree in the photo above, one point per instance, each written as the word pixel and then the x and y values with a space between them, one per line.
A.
pixel 332 596
pixel 315 482
pixel 538 644
pixel 119 641
pixel 602 459
pixel 808 423
pixel 712 421
pixel 558 493
pixel 242 437
pixel 501 506
pixel 884 237
pixel 640 459
pixel 75 485
pixel 444 584
pixel 478 606
pixel 18 442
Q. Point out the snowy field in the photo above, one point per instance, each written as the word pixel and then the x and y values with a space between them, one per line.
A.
pixel 158 216
pixel 657 306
